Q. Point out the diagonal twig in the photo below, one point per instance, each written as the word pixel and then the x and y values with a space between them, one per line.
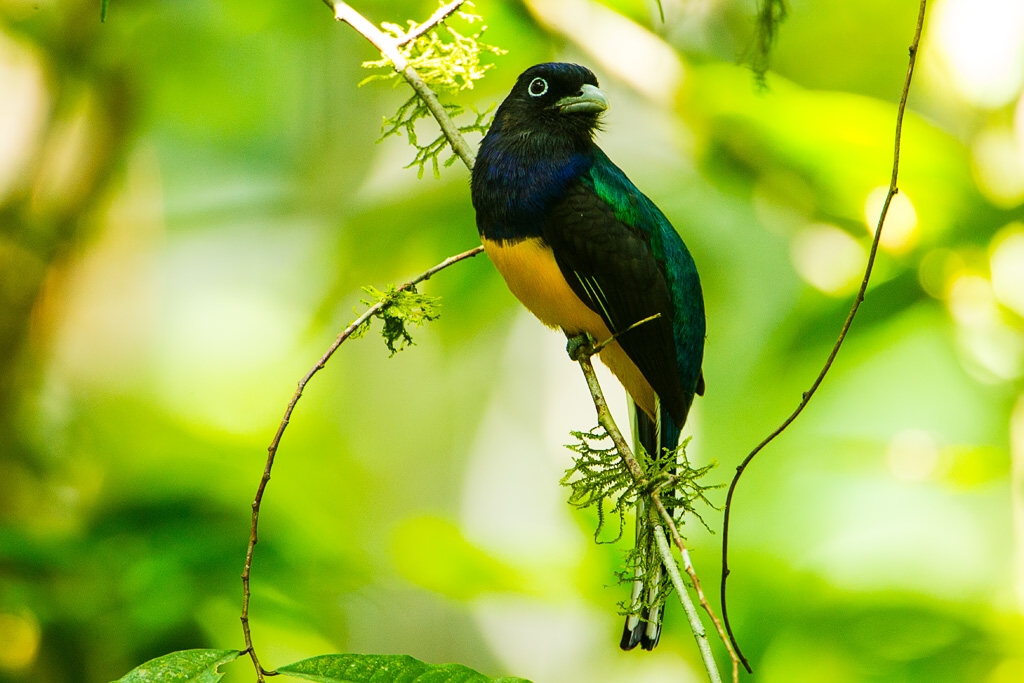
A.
pixel 373 310
pixel 389 48
pixel 442 13
pixel 805 399
pixel 600 346
pixel 604 418
pixel 688 567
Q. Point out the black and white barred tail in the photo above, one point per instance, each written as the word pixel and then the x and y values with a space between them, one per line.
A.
pixel 646 603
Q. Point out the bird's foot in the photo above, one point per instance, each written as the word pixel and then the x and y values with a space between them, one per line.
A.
pixel 580 346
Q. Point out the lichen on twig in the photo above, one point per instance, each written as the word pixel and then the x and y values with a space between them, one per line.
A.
pixel 448 63
pixel 601 478
pixel 397 308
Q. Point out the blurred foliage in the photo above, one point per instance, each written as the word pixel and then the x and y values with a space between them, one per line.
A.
pixel 192 196
pixel 770 15
pixel 433 553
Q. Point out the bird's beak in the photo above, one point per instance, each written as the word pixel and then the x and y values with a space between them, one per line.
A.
pixel 591 99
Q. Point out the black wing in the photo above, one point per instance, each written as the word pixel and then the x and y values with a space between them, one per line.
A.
pixel 611 268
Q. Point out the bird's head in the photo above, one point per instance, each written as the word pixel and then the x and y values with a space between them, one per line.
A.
pixel 555 99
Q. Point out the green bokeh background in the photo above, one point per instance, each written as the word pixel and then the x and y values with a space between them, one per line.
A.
pixel 192 195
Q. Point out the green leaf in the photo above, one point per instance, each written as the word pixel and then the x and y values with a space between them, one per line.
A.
pixel 385 669
pixel 186 666
pixel 103 10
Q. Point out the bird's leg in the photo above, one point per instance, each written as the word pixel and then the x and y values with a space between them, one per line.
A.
pixel 579 345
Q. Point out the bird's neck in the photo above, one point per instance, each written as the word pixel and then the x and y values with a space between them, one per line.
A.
pixel 519 175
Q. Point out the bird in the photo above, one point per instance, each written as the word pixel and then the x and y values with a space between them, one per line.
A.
pixel 588 253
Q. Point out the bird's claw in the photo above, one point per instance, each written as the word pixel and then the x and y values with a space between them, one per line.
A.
pixel 579 346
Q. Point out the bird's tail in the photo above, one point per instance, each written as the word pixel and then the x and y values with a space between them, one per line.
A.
pixel 643 621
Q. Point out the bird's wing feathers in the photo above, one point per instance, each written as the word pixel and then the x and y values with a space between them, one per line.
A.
pixel 610 265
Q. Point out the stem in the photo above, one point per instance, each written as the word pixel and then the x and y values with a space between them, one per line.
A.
pixel 688 567
pixel 684 597
pixel 389 48
pixel 272 449
pixel 604 418
pixel 807 395
pixel 436 18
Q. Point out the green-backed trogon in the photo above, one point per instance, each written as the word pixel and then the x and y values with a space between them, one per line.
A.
pixel 583 249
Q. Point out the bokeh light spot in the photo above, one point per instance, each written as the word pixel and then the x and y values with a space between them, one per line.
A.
pixel 24 110
pixel 19 641
pixel 912 455
pixel 1007 263
pixel 982 45
pixel 828 258
pixel 998 165
pixel 900 231
pixel 937 270
pixel 994 350
pixel 971 300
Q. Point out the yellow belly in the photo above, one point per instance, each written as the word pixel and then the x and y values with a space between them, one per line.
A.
pixel 533 276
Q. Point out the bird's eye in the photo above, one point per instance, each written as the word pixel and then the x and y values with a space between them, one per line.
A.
pixel 538 87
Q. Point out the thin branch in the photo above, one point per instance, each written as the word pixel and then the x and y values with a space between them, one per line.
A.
pixel 599 347
pixel 807 395
pixel 272 449
pixel 691 612
pixel 688 567
pixel 389 48
pixel 604 418
pixel 442 13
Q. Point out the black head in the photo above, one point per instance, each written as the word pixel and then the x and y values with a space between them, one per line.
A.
pixel 554 98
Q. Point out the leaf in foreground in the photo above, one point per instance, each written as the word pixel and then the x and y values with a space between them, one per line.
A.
pixel 385 669
pixel 186 666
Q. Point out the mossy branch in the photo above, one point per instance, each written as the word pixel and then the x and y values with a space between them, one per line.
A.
pixel 648 484
pixel 412 111
pixel 397 308
pixel 600 478
pixel 390 48
pixel 446 64
pixel 447 61
pixel 403 305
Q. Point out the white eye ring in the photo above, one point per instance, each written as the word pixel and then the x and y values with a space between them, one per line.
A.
pixel 538 87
